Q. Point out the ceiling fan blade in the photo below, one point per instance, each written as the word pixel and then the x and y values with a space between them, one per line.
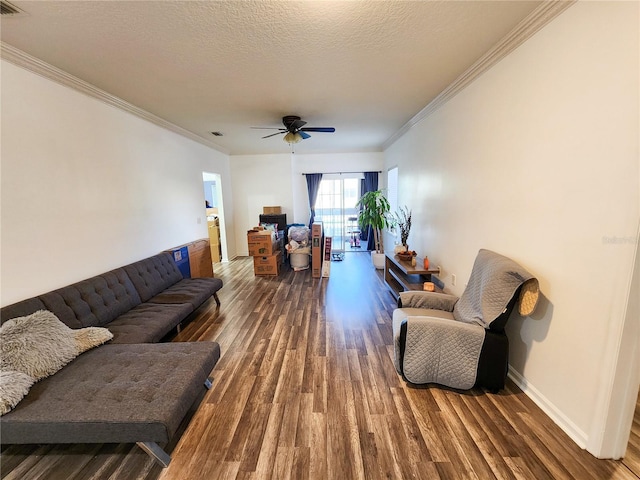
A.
pixel 297 124
pixel 318 129
pixel 274 134
pixel 268 128
pixel 304 135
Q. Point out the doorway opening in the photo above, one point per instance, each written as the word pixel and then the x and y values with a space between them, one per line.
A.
pixel 215 216
pixel 336 208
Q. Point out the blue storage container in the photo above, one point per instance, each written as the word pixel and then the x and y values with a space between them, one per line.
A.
pixel 181 257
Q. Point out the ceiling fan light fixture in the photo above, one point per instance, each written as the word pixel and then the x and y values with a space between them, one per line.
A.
pixel 291 137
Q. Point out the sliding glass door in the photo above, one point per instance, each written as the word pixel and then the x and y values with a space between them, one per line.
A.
pixel 336 209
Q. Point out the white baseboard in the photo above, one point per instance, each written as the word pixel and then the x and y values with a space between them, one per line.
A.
pixel 570 428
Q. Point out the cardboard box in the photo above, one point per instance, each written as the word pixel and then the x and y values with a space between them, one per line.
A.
pixel 326 264
pixel 267 265
pixel 216 253
pixel 326 269
pixel 261 242
pixel 271 210
pixel 316 250
pixel 327 248
pixel 214 233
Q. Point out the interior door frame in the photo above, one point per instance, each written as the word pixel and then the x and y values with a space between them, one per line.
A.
pixel 217 178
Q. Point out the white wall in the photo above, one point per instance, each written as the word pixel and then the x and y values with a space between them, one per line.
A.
pixel 87 187
pixel 260 180
pixel 538 159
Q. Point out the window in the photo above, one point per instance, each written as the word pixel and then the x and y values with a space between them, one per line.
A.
pixel 336 208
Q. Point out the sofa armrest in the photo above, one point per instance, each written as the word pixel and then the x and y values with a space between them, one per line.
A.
pixel 433 300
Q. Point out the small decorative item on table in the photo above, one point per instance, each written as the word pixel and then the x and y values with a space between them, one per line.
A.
pixel 426 262
pixel 406 256
pixel 399 248
pixel 429 287
pixel 402 220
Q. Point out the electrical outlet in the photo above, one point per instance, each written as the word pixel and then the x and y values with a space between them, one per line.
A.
pixel 453 279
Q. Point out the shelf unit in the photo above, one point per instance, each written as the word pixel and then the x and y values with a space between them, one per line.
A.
pixel 401 276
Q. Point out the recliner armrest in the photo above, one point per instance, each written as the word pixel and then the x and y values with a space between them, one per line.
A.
pixel 433 300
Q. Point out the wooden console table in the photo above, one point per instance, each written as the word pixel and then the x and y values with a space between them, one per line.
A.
pixel 401 276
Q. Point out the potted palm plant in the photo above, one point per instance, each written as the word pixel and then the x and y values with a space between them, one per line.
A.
pixel 374 209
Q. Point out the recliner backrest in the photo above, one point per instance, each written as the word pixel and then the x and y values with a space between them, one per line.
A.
pixel 492 291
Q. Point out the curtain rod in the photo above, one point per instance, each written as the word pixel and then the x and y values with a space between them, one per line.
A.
pixel 337 173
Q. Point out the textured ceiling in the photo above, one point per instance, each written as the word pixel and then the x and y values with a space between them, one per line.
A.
pixel 363 67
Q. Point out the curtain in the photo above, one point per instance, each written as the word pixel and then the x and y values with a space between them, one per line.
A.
pixel 313 185
pixel 370 184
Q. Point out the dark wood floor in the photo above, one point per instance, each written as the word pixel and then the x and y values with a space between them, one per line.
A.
pixel 306 389
pixel 632 457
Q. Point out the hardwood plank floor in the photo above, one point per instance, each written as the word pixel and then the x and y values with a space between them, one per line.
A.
pixel 306 389
pixel 632 456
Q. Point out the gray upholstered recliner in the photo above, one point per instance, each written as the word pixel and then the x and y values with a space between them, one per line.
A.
pixel 460 342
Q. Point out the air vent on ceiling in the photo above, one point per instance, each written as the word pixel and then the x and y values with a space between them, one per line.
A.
pixel 7 9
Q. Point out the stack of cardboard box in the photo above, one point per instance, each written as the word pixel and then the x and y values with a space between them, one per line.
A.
pixel 266 253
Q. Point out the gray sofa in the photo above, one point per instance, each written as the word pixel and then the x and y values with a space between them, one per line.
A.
pixel 132 389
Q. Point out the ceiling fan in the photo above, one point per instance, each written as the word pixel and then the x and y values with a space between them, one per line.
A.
pixel 295 130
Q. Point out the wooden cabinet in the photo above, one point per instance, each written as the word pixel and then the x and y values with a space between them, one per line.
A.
pixel 401 276
pixel 200 258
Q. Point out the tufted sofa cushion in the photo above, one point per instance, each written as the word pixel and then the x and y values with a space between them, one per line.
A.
pixel 93 302
pixel 21 309
pixel 194 291
pixel 121 394
pixel 148 322
pixel 153 275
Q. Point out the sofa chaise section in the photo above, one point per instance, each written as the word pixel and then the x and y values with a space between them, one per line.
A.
pixel 115 394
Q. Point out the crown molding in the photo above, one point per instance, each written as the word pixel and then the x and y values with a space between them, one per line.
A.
pixel 34 65
pixel 537 19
